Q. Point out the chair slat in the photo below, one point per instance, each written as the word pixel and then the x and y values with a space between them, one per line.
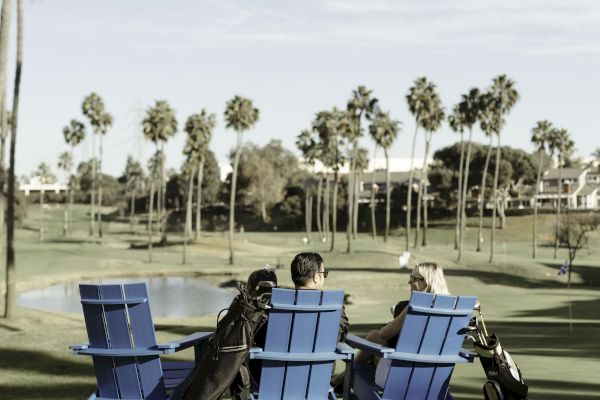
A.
pixel 118 332
pixel 302 341
pixel 94 322
pixel 142 331
pixel 277 339
pixel 325 340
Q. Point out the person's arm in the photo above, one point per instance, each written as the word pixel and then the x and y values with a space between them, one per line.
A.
pixel 344 326
pixel 393 328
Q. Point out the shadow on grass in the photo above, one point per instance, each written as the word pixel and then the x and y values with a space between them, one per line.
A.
pixel 582 309
pixel 59 390
pixel 589 273
pixel 136 245
pixel 29 361
pixel 538 389
pixel 183 330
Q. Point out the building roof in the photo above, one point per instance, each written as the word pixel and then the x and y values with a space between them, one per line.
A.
pixel 395 177
pixel 588 189
pixel 567 173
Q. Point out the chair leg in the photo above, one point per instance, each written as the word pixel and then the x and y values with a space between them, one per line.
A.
pixel 348 375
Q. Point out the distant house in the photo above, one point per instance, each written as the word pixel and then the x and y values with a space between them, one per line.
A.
pixel 577 188
pixel 34 185
pixel 377 180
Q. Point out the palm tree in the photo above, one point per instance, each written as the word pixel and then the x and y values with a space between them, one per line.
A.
pixel 134 177
pixel 540 135
pixel 456 124
pixel 154 172
pixel 241 115
pixel 307 145
pixel 74 134
pixel 468 109
pixel 561 143
pixel 384 130
pixel 45 176
pixel 417 102
pixel 159 125
pixel 100 120
pixel 11 275
pixel 199 128
pixel 505 97
pixel 65 162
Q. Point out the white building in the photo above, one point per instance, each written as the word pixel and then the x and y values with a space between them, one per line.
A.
pixel 576 188
pixel 34 185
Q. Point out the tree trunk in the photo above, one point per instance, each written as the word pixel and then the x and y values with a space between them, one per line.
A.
pixel 188 214
pixel 560 170
pixel 424 191
pixel 319 193
pixel 310 211
pixel 132 210
pixel 420 194
pixel 236 161
pixel 326 208
pixel 535 205
pixel 463 205
pixel 11 275
pixel 350 199
pixel 93 189
pixel 410 183
pixel 307 211
pixel 42 215
pixel 373 220
pixel 482 195
pixel 99 177
pixel 355 202
pixel 199 200
pixel 388 193
pixel 66 213
pixel 334 210
pixel 5 22
pixel 459 192
pixel 495 202
pixel 150 217
pixel 163 198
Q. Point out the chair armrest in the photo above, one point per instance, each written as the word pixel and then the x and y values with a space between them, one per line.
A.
pixel 344 348
pixel 367 346
pixel 255 350
pixel 76 348
pixel 468 355
pixel 185 342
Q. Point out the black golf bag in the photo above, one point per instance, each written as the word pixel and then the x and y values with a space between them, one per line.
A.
pixel 505 381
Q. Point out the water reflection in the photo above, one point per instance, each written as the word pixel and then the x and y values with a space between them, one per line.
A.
pixel 169 296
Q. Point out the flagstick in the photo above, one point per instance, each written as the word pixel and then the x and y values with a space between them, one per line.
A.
pixel 569 299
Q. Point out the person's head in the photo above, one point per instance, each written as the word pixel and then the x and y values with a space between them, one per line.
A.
pixel 428 277
pixel 263 274
pixel 308 271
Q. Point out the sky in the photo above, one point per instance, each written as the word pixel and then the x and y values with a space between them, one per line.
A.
pixel 294 58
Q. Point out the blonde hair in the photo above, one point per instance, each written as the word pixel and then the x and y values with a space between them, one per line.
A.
pixel 434 277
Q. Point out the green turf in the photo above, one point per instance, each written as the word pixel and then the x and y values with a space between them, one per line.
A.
pixel 524 301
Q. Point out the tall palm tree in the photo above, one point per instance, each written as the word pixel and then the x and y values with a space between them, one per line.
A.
pixel 505 97
pixel 199 128
pixel 65 163
pixel 417 103
pixel 154 172
pixel 159 125
pixel 5 22
pixel 307 145
pixel 468 109
pixel 540 135
pixel 561 143
pixel 455 120
pixel 384 131
pixel 241 115
pixel 45 176
pixel 134 177
pixel 74 133
pixel 11 273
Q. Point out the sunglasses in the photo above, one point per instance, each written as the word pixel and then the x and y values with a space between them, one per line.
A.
pixel 412 279
pixel 325 272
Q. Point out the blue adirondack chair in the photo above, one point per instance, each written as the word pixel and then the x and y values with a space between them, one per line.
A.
pixel 122 343
pixel 428 347
pixel 300 346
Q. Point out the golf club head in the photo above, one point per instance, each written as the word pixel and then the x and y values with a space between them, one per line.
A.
pixel 265 284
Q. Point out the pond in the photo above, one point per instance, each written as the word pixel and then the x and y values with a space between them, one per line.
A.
pixel 169 296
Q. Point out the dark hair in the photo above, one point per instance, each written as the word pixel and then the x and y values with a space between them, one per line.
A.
pixel 259 275
pixel 305 266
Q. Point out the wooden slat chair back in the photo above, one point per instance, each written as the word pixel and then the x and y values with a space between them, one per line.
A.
pixel 427 349
pixel 122 341
pixel 300 346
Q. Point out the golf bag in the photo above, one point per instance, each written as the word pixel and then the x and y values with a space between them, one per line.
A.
pixel 505 381
pixel 225 363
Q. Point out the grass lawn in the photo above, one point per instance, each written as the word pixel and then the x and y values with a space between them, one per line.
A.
pixel 524 301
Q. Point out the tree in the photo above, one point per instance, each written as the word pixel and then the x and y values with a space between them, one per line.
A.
pixel 65 163
pixel 504 96
pixel 383 131
pixel 5 23
pixel 560 143
pixel 307 145
pixel 159 125
pixel 134 183
pixel 540 135
pixel 45 176
pixel 154 173
pixel 100 120
pixel 240 115
pixel 74 133
pixel 455 119
pixel 573 234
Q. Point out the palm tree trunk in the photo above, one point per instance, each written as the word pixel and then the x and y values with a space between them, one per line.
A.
pixel 459 197
pixel 388 193
pixel 66 213
pixel 319 193
pixel 355 202
pixel 482 195
pixel 236 161
pixel 410 183
pixel 310 213
pixel 42 215
pixel 11 275
pixel 424 191
pixel 70 210
pixel 326 208
pixel 150 218
pixel 5 21
pixel 93 189
pixel 99 177
pixel 188 215
pixel 495 196
pixel 560 189
pixel 199 200
pixel 420 194
pixel 463 204
pixel 306 210
pixel 373 221
pixel 334 210
pixel 350 199
pixel 535 204
pixel 163 190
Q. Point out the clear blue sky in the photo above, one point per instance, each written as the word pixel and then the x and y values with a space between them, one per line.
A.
pixel 296 58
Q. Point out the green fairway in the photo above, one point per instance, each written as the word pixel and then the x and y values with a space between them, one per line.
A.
pixel 523 300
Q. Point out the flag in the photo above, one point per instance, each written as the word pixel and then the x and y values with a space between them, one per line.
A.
pixel 563 269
